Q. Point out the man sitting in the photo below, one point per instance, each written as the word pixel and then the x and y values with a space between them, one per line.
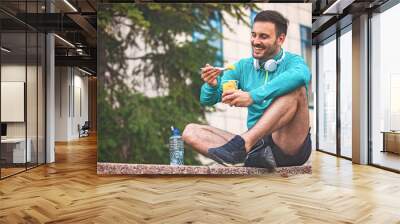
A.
pixel 273 86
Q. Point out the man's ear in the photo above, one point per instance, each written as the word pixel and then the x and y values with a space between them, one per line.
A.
pixel 281 38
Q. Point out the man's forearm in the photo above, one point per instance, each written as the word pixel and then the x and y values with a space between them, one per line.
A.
pixel 210 95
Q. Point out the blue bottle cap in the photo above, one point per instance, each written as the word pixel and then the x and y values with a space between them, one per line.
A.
pixel 175 131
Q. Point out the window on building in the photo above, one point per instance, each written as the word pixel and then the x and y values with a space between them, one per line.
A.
pixel 253 14
pixel 305 41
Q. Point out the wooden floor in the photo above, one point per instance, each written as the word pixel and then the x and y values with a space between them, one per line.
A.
pixel 10 171
pixel 69 191
pixel 5 172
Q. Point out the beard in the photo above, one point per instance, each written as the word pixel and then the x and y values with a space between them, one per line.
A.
pixel 264 52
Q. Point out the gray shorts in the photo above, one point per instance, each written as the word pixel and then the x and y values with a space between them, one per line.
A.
pixel 282 159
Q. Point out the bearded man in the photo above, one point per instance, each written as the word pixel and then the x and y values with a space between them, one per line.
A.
pixel 273 85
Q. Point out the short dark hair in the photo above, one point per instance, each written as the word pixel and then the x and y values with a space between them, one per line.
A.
pixel 281 23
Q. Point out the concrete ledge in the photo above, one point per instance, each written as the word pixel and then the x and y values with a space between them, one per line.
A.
pixel 140 169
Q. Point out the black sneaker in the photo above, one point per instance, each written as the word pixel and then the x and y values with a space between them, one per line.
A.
pixel 260 156
pixel 233 153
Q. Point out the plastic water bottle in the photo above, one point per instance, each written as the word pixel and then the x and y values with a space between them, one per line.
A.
pixel 176 147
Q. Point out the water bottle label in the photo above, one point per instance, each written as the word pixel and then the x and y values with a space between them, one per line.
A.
pixel 176 157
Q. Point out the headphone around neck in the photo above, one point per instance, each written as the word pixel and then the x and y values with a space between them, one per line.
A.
pixel 269 65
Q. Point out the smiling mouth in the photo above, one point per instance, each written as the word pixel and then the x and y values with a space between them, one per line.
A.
pixel 258 48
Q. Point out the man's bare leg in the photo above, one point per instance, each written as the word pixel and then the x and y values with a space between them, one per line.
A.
pixel 203 137
pixel 287 119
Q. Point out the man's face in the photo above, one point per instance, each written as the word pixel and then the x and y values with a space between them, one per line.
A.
pixel 264 41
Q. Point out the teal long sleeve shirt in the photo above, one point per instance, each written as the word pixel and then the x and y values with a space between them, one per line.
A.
pixel 291 73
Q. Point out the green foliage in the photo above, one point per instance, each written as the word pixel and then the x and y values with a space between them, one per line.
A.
pixel 135 128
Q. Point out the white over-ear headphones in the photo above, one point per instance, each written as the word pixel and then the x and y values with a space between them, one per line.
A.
pixel 269 65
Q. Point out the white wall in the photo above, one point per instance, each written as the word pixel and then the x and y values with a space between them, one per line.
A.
pixel 33 127
pixel 61 103
pixel 12 100
pixel 12 73
pixel 71 94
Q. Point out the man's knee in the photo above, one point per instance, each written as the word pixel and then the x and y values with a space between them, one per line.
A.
pixel 188 134
pixel 301 92
pixel 297 94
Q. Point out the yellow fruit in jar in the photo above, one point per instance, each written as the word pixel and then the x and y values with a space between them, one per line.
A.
pixel 229 85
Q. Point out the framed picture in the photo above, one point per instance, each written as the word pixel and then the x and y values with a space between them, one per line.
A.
pixel 184 86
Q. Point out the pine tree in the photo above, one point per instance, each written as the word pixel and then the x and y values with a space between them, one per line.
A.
pixel 135 128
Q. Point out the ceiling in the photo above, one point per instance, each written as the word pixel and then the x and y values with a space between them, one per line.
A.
pixel 330 15
pixel 74 22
